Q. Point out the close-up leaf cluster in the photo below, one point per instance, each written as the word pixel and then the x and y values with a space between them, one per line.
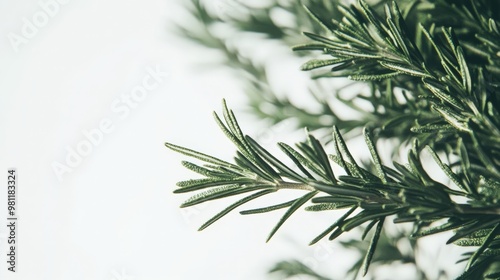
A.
pixel 431 73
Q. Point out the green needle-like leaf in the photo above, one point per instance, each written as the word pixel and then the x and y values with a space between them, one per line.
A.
pixel 274 161
pixel 269 208
pixel 373 245
pixel 234 206
pixel 200 156
pixel 333 226
pixel 375 156
pixel 294 207
pixel 222 192
pixel 298 159
pixel 487 241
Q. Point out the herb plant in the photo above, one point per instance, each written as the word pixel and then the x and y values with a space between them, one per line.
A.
pixel 432 68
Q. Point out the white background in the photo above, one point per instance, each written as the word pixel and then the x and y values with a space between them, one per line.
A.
pixel 114 215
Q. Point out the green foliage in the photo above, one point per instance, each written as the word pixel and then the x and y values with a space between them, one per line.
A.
pixel 295 268
pixel 263 102
pixel 432 69
pixel 387 252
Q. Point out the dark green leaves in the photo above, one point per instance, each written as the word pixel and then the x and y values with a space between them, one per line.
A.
pixel 370 45
pixel 406 192
pixel 289 269
pixel 373 246
pixel 367 48
pixel 432 72
pixel 234 206
pixel 256 173
pixel 298 203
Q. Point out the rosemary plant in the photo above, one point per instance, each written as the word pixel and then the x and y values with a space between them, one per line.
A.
pixel 432 67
